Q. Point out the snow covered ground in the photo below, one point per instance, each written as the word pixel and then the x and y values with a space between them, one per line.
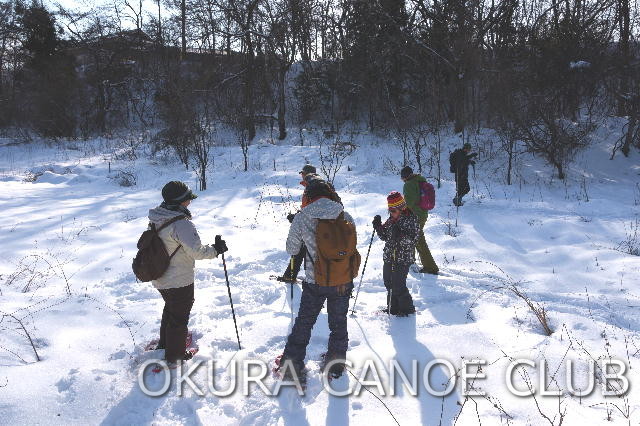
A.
pixel 68 233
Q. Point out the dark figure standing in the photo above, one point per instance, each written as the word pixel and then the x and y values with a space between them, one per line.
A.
pixel 400 233
pixel 411 191
pixel 460 160
pixel 181 239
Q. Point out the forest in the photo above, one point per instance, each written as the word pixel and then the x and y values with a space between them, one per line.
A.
pixel 542 74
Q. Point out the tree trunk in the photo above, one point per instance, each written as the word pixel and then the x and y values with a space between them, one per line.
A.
pixel 558 165
pixel 249 118
pixel 159 25
pixel 624 23
pixel 631 127
pixel 183 27
pixel 101 114
pixel 509 165
pixel 281 104
pixel 203 177
pixel 460 122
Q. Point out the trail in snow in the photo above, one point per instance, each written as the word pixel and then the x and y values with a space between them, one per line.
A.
pixel 76 222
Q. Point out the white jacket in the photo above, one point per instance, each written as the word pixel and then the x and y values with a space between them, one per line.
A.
pixel 303 230
pixel 180 233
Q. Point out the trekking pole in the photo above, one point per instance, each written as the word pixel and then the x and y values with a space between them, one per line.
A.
pixel 393 263
pixel 353 310
pixel 474 179
pixel 233 312
pixel 458 200
pixel 291 262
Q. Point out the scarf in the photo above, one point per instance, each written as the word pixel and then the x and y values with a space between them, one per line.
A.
pixel 176 208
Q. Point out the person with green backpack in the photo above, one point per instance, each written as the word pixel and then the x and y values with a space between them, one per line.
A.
pixel 413 194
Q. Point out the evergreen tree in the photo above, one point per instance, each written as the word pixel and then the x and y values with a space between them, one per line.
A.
pixel 48 80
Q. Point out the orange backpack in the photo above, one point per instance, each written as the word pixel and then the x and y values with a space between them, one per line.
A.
pixel 337 258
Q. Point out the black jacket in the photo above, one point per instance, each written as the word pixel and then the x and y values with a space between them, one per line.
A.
pixel 400 239
pixel 461 161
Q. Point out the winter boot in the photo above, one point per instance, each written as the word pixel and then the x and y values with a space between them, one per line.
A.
pixel 292 374
pixel 337 367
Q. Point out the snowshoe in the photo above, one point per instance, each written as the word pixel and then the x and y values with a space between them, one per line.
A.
pixel 457 202
pixel 188 354
pixel 288 375
pixel 153 345
pixel 336 370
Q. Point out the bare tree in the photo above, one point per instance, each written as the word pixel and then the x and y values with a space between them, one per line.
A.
pixel 204 139
pixel 282 45
pixel 555 138
pixel 333 152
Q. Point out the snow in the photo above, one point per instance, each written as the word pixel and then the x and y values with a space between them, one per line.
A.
pixel 69 226
pixel 579 64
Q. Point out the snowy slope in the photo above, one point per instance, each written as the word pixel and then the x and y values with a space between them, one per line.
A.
pixel 67 240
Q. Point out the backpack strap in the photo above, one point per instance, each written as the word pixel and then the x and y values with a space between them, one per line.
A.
pixel 167 223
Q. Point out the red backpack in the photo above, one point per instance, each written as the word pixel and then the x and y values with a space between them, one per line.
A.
pixel 427 196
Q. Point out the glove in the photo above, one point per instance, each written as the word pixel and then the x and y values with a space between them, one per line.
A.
pixel 377 221
pixel 290 217
pixel 473 163
pixel 220 245
pixel 474 154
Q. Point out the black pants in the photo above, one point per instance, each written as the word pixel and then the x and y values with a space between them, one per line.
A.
pixel 399 299
pixel 297 262
pixel 175 318
pixel 462 185
pixel 311 302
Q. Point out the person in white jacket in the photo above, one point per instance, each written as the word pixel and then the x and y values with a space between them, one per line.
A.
pixel 314 296
pixel 176 284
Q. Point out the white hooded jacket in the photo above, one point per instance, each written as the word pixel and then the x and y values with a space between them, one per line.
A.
pixel 180 233
pixel 303 229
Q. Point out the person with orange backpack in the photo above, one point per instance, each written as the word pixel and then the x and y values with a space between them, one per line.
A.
pixel 420 197
pixel 399 232
pixel 332 261
pixel 309 178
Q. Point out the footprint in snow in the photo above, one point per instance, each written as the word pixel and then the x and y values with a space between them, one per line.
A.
pixel 65 386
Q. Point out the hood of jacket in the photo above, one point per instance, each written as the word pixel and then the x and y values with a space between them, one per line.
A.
pixel 323 208
pixel 160 215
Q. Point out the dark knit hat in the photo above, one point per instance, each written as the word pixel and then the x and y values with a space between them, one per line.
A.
pixel 406 172
pixel 466 146
pixel 317 187
pixel 395 200
pixel 176 192
pixel 308 169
